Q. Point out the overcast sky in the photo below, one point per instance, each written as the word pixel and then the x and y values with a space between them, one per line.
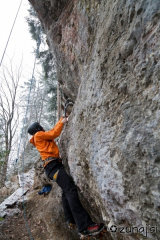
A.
pixel 20 43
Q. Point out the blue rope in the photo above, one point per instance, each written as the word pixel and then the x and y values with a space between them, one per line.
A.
pixel 10 33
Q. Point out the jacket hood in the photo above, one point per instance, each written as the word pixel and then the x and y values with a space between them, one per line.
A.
pixel 32 141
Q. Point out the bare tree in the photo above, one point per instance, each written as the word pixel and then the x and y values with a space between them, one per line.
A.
pixel 9 82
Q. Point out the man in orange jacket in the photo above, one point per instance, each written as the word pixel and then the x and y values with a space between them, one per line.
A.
pixel 73 209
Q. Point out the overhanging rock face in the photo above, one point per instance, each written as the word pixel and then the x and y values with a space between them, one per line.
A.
pixel 69 34
pixel 108 61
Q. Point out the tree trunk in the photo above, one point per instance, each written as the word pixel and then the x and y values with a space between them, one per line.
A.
pixel 3 171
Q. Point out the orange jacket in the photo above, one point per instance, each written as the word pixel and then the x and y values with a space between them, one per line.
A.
pixel 44 141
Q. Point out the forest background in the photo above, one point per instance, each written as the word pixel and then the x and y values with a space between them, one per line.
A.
pixel 22 103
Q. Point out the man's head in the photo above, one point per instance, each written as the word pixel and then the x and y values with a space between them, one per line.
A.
pixel 34 127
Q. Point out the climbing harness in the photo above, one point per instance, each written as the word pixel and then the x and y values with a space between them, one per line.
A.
pixel 67 103
pixel 50 159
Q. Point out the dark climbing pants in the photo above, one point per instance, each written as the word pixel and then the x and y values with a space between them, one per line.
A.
pixel 73 209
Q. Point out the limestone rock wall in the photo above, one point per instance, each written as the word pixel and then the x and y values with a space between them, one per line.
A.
pixel 108 62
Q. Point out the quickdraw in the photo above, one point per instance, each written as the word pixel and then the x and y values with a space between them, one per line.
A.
pixel 67 103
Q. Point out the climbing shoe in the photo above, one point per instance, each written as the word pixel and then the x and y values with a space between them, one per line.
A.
pixel 45 190
pixel 71 225
pixel 92 229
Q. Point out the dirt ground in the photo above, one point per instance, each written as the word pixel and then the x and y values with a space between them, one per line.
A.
pixel 43 220
pixel 15 228
pixel 25 225
pixel 40 222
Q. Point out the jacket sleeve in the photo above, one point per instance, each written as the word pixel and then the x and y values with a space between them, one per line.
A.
pixel 53 133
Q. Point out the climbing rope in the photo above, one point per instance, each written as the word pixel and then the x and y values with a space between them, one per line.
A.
pixel 10 32
pixel 24 122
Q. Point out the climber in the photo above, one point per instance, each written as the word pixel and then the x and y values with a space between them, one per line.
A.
pixel 74 212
